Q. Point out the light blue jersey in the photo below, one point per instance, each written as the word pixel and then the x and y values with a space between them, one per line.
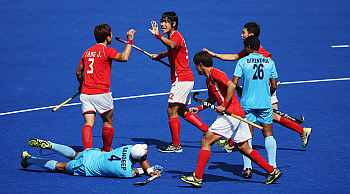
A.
pixel 94 162
pixel 255 71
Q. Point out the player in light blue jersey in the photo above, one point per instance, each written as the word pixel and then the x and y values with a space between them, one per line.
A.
pixel 259 77
pixel 257 73
pixel 118 162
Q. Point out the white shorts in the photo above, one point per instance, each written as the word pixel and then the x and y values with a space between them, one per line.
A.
pixel 274 99
pixel 179 91
pixel 100 103
pixel 228 127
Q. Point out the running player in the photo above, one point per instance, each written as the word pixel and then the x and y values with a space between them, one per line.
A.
pixel 181 78
pixel 221 90
pixel 253 29
pixel 93 162
pixel 94 76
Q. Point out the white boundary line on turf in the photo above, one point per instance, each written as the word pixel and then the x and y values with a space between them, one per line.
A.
pixel 341 46
pixel 166 93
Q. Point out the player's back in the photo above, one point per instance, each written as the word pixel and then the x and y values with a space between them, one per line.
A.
pixel 116 163
pixel 97 69
pixel 256 71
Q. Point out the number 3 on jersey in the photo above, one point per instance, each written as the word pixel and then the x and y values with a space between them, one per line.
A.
pixel 90 69
pixel 259 71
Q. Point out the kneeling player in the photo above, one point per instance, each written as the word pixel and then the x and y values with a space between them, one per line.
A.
pixel 221 90
pixel 94 162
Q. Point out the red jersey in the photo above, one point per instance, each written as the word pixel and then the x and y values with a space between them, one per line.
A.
pixel 97 63
pixel 217 90
pixel 178 58
pixel 261 50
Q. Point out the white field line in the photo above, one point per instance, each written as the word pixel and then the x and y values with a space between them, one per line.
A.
pixel 166 93
pixel 341 46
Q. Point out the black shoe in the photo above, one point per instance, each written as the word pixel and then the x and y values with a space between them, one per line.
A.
pixel 247 173
pixel 171 148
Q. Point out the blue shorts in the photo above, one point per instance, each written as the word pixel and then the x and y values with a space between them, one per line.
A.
pixel 259 116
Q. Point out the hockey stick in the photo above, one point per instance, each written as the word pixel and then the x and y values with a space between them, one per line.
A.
pixel 213 107
pixel 239 90
pixel 141 50
pixel 282 114
pixel 65 102
pixel 148 180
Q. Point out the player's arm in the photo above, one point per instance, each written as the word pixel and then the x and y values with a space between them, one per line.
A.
pixel 124 56
pixel 225 57
pixel 159 55
pixel 79 73
pixel 273 85
pixel 148 169
pixel 235 80
pixel 273 79
pixel 230 90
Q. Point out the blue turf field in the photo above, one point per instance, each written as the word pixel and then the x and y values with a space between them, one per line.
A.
pixel 42 42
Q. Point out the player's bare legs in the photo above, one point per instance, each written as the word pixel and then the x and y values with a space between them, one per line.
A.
pixel 89 120
pixel 61 166
pixel 107 130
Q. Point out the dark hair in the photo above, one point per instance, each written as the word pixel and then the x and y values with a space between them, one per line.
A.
pixel 171 17
pixel 101 32
pixel 252 27
pixel 252 42
pixel 204 58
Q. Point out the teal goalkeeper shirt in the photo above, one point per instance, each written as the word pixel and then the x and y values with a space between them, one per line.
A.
pixel 255 71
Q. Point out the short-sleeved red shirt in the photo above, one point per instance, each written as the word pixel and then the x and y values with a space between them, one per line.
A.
pixel 97 69
pixel 261 50
pixel 217 90
pixel 178 59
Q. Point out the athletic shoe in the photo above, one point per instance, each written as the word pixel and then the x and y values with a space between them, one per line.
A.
pixel 302 119
pixel 192 180
pixel 273 176
pixel 25 157
pixel 38 143
pixel 171 148
pixel 221 142
pixel 305 136
pixel 229 148
pixel 226 145
pixel 247 173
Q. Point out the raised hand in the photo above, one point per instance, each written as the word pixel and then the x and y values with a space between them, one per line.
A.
pixel 154 28
pixel 130 34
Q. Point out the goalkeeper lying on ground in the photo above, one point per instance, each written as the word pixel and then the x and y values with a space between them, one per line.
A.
pixel 93 162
